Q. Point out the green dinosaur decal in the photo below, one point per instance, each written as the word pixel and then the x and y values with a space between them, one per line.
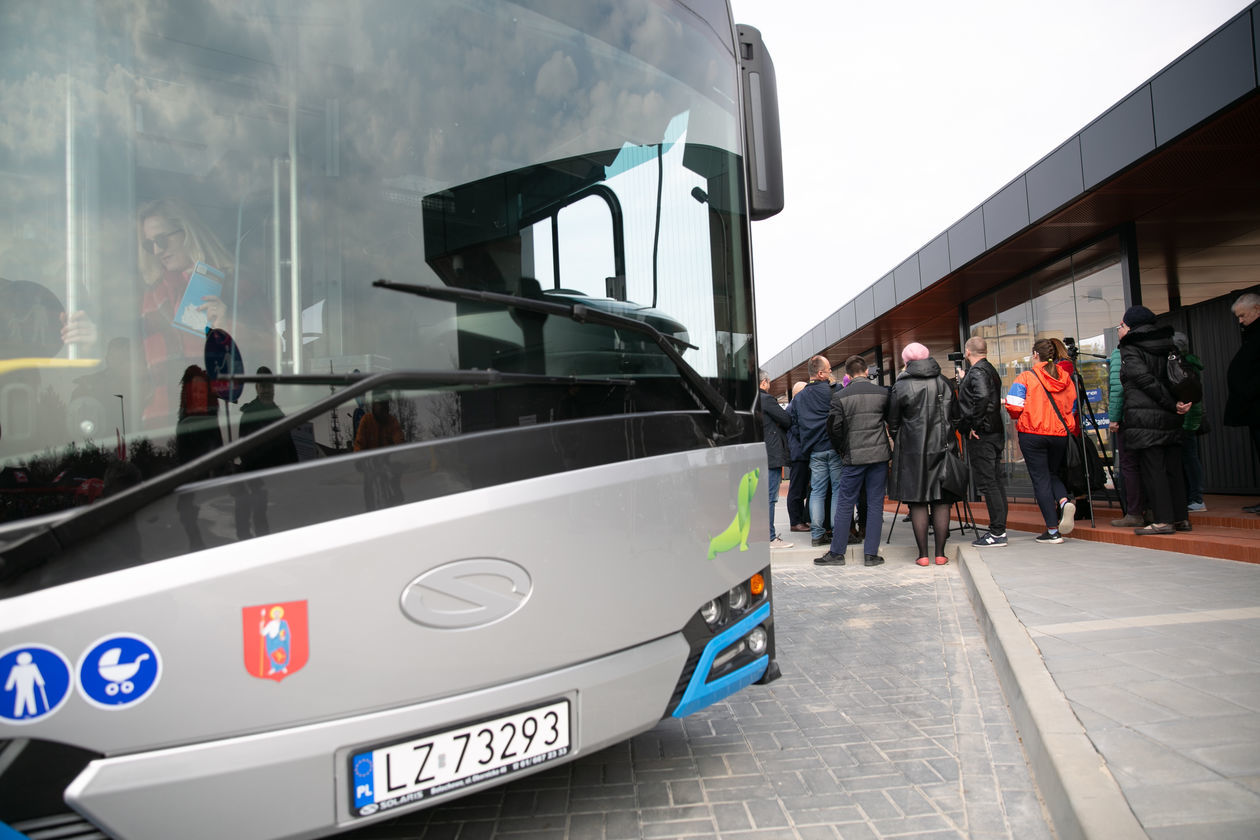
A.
pixel 736 534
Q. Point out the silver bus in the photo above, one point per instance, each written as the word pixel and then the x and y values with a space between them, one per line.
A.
pixel 376 399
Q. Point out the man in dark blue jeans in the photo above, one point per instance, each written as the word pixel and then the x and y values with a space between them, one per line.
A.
pixel 809 414
pixel 774 423
pixel 857 426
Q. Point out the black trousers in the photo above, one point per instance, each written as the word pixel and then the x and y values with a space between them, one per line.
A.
pixel 1162 483
pixel 985 455
pixel 798 489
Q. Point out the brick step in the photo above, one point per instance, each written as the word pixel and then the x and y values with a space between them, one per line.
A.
pixel 1222 535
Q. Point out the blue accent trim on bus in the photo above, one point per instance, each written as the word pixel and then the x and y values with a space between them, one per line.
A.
pixel 7 833
pixel 700 692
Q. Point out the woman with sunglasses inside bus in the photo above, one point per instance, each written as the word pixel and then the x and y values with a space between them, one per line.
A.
pixel 171 240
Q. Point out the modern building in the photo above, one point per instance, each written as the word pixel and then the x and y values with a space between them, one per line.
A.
pixel 1156 202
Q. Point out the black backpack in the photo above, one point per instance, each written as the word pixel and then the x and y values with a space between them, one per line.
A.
pixel 1184 380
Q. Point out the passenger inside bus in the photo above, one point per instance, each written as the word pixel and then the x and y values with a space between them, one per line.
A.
pixel 172 240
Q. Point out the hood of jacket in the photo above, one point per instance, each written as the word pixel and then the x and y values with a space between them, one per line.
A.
pixel 1153 339
pixel 923 369
pixel 1054 385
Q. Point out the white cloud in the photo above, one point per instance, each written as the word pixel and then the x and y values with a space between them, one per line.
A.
pixel 899 119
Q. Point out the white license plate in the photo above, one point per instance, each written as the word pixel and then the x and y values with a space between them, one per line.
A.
pixel 399 774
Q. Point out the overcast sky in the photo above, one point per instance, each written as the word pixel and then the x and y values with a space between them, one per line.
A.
pixel 899 118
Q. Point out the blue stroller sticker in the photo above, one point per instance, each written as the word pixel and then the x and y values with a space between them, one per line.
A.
pixel 119 671
pixel 34 682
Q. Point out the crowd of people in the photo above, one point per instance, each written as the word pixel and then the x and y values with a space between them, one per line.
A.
pixel 850 443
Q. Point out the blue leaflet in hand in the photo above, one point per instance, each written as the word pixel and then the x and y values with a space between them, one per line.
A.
pixel 206 281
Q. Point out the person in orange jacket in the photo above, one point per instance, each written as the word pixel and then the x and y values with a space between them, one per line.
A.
pixel 1043 437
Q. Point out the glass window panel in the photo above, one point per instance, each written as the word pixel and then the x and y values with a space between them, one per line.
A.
pixel 299 157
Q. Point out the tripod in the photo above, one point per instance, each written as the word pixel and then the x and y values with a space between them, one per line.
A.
pixel 1083 404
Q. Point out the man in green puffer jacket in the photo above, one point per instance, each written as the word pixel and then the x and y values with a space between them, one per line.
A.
pixel 1190 430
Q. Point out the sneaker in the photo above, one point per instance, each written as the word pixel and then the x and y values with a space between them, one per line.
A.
pixel 1067 517
pixel 1048 537
pixel 873 560
pixel 1131 520
pixel 1196 506
pixel 990 541
pixel 829 559
pixel 779 542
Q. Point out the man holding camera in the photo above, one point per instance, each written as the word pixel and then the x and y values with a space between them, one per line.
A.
pixel 980 420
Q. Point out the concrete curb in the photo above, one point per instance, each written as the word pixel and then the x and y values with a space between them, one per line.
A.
pixel 1083 798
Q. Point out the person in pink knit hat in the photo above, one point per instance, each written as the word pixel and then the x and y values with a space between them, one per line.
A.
pixel 920 415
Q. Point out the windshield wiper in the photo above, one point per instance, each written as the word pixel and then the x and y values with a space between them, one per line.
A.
pixel 728 423
pixel 35 549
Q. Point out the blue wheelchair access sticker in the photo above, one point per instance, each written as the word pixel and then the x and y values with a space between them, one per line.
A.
pixel 34 682
pixel 118 671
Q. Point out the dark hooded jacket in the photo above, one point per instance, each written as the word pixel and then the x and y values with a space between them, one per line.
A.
pixel 775 422
pixel 1242 402
pixel 809 411
pixel 1150 410
pixel 980 401
pixel 857 422
pixel 919 412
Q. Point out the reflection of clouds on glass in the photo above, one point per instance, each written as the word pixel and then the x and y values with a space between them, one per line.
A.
pixel 386 95
pixel 557 78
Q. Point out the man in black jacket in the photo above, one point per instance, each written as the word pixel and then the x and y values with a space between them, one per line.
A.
pixel 857 427
pixel 1242 403
pixel 980 421
pixel 774 423
pixel 809 414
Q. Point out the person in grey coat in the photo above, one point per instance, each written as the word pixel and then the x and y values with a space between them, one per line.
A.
pixel 774 423
pixel 858 429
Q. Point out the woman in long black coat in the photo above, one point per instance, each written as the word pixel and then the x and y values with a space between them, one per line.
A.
pixel 920 412
pixel 1153 418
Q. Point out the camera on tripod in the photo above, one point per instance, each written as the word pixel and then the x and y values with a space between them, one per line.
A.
pixel 1073 351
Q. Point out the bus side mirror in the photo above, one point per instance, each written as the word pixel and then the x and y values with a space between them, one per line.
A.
pixel 763 150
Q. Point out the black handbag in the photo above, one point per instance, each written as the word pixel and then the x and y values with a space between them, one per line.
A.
pixel 1076 473
pixel 954 478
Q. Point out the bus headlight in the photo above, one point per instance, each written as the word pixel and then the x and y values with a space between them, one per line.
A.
pixel 756 641
pixel 712 612
pixel 738 598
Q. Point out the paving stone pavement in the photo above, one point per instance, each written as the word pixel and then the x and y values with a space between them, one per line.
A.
pixel 1158 654
pixel 888 722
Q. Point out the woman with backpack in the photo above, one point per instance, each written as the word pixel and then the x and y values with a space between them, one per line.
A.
pixel 1153 418
pixel 1042 401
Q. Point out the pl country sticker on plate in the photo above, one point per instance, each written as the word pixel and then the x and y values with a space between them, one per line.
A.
pixel 35 681
pixel 119 671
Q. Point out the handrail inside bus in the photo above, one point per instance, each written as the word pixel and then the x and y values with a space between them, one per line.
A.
pixel 728 423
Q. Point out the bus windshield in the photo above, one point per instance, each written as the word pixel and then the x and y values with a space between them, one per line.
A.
pixel 201 191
